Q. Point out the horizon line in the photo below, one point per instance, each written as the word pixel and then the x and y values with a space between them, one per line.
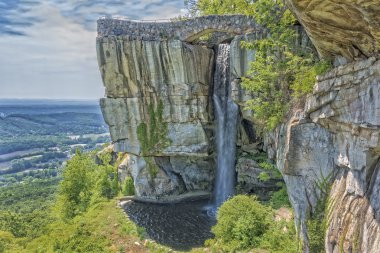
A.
pixel 49 98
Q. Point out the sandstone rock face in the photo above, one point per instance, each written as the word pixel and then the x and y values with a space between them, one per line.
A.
pixel 348 28
pixel 336 138
pixel 139 77
pixel 353 117
pixel 164 87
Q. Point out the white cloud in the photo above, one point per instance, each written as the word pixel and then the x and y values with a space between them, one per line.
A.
pixel 57 58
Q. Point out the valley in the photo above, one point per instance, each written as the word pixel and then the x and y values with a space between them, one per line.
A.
pixel 38 136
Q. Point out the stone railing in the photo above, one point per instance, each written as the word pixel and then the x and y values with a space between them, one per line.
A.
pixel 184 30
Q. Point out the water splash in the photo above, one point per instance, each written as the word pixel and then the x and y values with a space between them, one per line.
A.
pixel 226 112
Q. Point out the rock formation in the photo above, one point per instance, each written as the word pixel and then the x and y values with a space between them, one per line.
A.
pixel 344 28
pixel 161 86
pixel 336 138
pixel 158 101
pixel 160 112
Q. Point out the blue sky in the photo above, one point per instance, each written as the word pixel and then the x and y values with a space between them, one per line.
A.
pixel 47 47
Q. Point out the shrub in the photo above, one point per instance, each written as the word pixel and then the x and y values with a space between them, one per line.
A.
pixel 318 219
pixel 264 177
pixel 280 198
pixel 283 70
pixel 128 186
pixel 304 80
pixel 244 224
pixel 281 237
pixel 241 222
pixel 106 185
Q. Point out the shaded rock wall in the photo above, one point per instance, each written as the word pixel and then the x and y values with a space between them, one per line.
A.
pixel 336 136
pixel 345 28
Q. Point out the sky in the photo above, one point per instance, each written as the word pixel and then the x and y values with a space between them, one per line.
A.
pixel 47 47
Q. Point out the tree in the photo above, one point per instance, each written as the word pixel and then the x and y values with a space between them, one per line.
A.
pixel 220 7
pixel 76 187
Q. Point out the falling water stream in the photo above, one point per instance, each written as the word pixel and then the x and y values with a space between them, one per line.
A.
pixel 226 112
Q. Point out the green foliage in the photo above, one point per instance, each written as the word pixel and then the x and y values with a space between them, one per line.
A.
pixel 84 182
pixel 153 138
pixel 241 222
pixel 304 80
pixel 75 191
pixel 28 223
pixel 318 219
pixel 264 176
pixel 281 237
pixel 271 169
pixel 280 198
pixel 210 7
pixel 28 196
pixel 128 186
pixel 267 166
pixel 244 224
pixel 282 69
pixel 142 135
pixel 106 180
pixel 24 208
pixel 152 167
pixel 5 239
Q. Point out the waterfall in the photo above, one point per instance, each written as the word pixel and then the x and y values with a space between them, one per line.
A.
pixel 226 112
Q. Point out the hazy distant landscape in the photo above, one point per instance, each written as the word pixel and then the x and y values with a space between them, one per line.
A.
pixel 38 136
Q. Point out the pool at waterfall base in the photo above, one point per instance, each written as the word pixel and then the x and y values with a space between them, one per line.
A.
pixel 181 226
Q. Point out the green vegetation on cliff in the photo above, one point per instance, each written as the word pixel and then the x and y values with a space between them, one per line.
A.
pixel 153 137
pixel 284 69
pixel 128 188
pixel 318 218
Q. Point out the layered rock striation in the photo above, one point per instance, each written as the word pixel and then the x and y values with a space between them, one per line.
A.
pixel 158 111
pixel 335 139
pixel 341 28
pixel 158 101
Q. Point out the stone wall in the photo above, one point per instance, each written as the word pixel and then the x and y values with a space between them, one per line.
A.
pixel 184 30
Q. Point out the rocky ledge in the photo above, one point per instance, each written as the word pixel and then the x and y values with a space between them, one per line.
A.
pixel 347 29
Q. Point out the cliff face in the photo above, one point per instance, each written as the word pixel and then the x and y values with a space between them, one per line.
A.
pixel 158 111
pixel 336 139
pixel 158 101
